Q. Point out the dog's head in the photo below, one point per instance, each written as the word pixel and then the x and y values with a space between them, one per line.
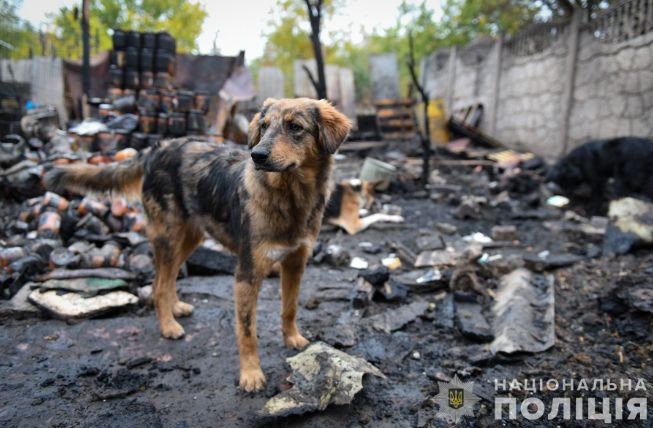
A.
pixel 291 133
pixel 566 176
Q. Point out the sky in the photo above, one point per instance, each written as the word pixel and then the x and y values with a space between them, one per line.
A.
pixel 240 23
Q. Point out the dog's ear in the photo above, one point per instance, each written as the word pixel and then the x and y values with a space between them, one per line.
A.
pixel 333 126
pixel 254 130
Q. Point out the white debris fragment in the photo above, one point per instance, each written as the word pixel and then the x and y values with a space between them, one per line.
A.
pixel 321 375
pixel 358 263
pixel 74 306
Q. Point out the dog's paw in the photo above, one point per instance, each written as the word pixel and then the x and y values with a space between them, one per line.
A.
pixel 395 219
pixel 172 330
pixel 252 380
pixel 296 341
pixel 182 309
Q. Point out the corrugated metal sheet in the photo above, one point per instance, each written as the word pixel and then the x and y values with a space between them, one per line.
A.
pixel 45 75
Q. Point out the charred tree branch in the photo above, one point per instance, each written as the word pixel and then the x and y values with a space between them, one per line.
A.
pixel 315 18
pixel 425 138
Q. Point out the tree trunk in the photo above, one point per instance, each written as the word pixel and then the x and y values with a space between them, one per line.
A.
pixel 425 139
pixel 315 16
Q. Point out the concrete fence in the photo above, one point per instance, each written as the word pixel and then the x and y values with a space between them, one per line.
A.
pixel 44 74
pixel 556 85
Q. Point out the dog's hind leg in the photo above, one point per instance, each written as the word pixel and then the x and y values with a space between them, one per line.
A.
pixel 292 269
pixel 191 239
pixel 172 244
pixel 245 296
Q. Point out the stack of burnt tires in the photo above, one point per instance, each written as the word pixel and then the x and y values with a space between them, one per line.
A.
pixel 143 66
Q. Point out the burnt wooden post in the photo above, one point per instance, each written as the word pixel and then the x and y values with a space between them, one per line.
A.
pixel 86 65
pixel 496 77
pixel 425 138
pixel 568 94
pixel 315 17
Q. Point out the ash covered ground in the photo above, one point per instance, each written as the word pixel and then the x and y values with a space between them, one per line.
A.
pixel 118 371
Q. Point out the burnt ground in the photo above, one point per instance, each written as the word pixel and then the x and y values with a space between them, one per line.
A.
pixel 117 371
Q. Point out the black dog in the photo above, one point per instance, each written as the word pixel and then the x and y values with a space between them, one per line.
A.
pixel 627 160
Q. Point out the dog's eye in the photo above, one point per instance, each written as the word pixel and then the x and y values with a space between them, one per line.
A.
pixel 293 127
pixel 264 126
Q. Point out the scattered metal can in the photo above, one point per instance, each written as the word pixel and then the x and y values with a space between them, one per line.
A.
pixel 92 206
pixel 49 223
pixel 10 255
pixel 53 200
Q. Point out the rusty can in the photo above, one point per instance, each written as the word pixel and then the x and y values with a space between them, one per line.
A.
pixel 117 58
pixel 149 99
pixel 115 76
pixel 165 42
pixel 92 206
pixel 34 201
pixel 202 101
pixel 195 122
pixel 148 40
pixel 147 79
pixel 162 81
pixel 185 101
pixel 107 256
pixel 53 200
pixel 177 124
pixel 62 257
pixel 49 223
pixel 153 140
pixel 119 39
pixel 133 39
pixel 167 101
pixel 115 93
pixel 135 221
pixel 162 124
pixel 164 62
pixel 119 206
pixel 131 57
pixel 104 110
pixel 10 255
pixel 31 213
pixel 86 142
pixel 138 141
pixel 105 142
pixel 131 79
pixel 147 122
pixel 146 59
pixel 122 138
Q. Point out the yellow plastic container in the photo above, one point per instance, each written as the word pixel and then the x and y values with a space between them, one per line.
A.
pixel 437 121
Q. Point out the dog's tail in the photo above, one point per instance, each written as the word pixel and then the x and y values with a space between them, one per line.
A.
pixel 125 177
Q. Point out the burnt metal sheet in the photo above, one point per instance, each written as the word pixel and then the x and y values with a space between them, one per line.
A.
pixel 205 72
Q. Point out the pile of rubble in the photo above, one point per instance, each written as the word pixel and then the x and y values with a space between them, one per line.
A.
pixel 47 238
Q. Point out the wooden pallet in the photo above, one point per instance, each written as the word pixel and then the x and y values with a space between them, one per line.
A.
pixel 395 117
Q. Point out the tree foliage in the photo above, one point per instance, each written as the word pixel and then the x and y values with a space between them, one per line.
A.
pixel 462 20
pixel 182 19
pixel 289 38
pixel 17 37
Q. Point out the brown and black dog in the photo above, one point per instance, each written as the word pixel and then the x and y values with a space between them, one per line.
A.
pixel 266 207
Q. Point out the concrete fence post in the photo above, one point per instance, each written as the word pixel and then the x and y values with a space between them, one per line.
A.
pixel 570 77
pixel 451 79
pixel 493 106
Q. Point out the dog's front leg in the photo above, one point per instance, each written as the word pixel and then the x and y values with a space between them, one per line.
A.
pixel 245 296
pixel 292 269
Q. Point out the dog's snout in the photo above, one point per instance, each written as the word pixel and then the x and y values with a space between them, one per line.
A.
pixel 260 155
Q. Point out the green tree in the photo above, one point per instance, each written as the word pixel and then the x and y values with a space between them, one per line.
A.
pixel 289 38
pixel 17 37
pixel 181 18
